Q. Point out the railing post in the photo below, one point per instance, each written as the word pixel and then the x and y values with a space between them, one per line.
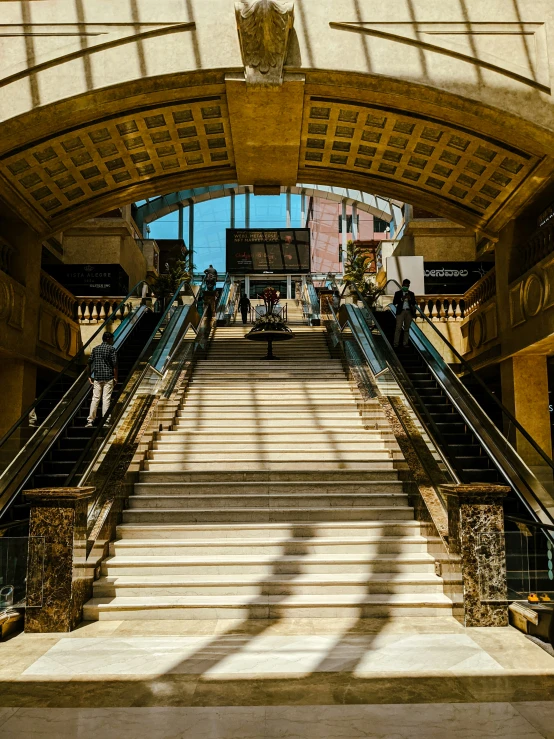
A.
pixel 476 533
pixel 57 583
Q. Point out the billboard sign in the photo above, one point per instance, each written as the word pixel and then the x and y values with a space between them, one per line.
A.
pixel 268 251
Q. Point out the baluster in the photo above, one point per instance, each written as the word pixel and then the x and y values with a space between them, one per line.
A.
pixel 446 308
pixel 454 305
pixel 430 309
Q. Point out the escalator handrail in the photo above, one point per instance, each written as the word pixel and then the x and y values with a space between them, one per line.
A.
pixel 516 472
pixel 116 414
pixel 94 506
pixel 225 292
pixel 482 385
pixel 403 381
pixel 71 362
pixel 312 295
pixel 34 450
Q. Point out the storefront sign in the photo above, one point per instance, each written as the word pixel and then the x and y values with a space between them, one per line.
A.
pixel 271 251
pixel 453 278
pixel 91 280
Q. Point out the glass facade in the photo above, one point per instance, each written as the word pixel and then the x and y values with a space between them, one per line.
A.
pixel 213 217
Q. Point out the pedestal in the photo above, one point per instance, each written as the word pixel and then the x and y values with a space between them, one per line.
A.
pixel 56 586
pixel 476 533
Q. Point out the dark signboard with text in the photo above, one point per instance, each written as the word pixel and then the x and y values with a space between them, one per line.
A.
pixel 453 278
pixel 268 251
pixel 91 280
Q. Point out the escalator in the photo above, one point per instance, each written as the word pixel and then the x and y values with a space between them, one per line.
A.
pixel 68 449
pixel 50 445
pixel 469 431
pixel 458 442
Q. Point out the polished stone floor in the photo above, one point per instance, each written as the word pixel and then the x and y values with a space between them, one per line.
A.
pixel 295 679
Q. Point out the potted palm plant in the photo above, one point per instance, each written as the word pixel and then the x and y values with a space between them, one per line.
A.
pixel 357 278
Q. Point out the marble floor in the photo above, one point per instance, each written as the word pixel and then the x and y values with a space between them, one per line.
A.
pixel 294 679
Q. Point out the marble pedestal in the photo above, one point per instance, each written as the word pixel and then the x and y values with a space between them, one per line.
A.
pixel 56 584
pixel 476 533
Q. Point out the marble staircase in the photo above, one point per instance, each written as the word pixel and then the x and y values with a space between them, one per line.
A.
pixel 270 498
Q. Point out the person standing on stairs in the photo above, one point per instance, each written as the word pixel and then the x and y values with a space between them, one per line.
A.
pixel 244 307
pixel 103 376
pixel 405 303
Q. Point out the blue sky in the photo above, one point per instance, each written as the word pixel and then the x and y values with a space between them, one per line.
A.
pixel 212 218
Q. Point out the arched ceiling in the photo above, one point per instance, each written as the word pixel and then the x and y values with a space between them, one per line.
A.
pixel 448 169
pixel 102 104
pixel 164 204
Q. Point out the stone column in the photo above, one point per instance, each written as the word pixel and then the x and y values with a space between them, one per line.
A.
pixel 18 380
pixel 476 533
pixel 525 394
pixel 56 584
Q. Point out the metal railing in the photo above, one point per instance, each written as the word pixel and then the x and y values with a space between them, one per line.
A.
pixel 495 443
pixel 146 387
pixel 24 443
pixel 154 351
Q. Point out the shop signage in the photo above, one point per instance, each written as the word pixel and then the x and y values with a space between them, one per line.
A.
pixel 268 251
pixel 91 280
pixel 453 278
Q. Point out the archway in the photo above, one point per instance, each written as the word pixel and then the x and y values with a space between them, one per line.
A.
pixel 126 107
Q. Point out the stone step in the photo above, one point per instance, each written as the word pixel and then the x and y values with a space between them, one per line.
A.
pixel 377 474
pixel 251 585
pixel 265 514
pixel 282 456
pixel 268 531
pixel 270 402
pixel 309 464
pixel 278 416
pixel 381 487
pixel 269 607
pixel 265 567
pixel 163 450
pixel 300 546
pixel 302 500
pixel 245 434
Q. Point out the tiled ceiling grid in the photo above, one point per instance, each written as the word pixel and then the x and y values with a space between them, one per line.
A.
pixel 114 154
pixel 471 172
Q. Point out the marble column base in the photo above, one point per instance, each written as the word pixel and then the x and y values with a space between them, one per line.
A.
pixel 57 586
pixel 476 533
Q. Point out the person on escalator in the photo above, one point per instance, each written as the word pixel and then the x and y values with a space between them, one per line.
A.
pixel 210 276
pixel 405 303
pixel 103 376
pixel 244 307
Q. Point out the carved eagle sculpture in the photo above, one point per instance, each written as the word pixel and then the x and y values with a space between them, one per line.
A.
pixel 264 26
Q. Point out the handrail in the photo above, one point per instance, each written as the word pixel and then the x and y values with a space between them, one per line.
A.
pixel 403 380
pixel 29 456
pixel 164 386
pixel 118 411
pixel 504 456
pixel 374 388
pixel 482 385
pixel 115 414
pixel 63 372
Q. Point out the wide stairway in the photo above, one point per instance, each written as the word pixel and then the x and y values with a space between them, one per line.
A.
pixel 269 498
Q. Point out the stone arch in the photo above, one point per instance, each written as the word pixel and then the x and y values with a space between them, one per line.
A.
pixel 117 108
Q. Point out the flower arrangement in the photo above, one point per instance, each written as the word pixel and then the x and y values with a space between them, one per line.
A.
pixel 273 318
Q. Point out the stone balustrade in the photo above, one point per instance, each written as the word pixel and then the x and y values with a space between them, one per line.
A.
pixel 459 307
pixel 56 295
pixel 97 310
pixel 539 246
pixel 481 292
pixel 442 307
